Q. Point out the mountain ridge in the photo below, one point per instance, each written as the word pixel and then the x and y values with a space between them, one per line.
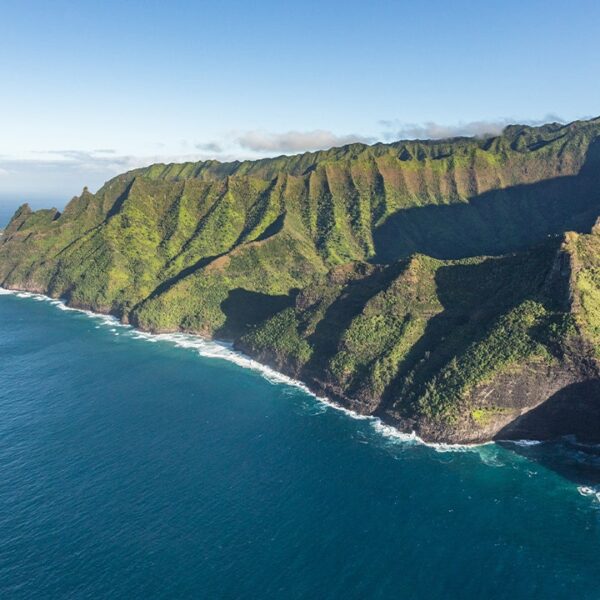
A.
pixel 254 251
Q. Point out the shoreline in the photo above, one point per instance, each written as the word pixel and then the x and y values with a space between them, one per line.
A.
pixel 224 350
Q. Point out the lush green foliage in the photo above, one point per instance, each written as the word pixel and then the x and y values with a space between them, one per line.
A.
pixel 422 333
pixel 361 269
pixel 585 253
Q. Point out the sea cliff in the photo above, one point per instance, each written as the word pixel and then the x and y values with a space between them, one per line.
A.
pixel 449 287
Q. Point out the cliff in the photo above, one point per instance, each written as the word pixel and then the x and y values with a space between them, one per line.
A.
pixel 449 287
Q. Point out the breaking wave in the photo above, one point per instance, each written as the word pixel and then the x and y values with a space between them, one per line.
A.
pixel 225 351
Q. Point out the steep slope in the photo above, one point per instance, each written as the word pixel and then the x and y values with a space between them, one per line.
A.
pixel 384 275
pixel 456 350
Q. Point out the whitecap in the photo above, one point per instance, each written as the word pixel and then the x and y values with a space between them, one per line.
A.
pixel 522 443
pixel 61 305
pixel 392 433
pixel 225 351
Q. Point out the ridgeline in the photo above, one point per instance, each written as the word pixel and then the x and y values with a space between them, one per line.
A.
pixel 450 287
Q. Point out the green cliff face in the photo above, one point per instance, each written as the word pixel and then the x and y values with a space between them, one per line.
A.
pixel 406 280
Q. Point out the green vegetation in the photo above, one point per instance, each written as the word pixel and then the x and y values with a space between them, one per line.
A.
pixel 485 416
pixel 585 253
pixel 418 336
pixel 400 279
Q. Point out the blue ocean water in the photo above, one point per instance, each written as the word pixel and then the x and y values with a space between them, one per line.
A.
pixel 132 467
pixel 6 212
pixel 8 205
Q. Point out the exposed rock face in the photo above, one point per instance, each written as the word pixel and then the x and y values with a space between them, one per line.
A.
pixel 456 364
pixel 434 284
pixel 537 402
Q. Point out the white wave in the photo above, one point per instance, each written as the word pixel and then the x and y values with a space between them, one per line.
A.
pixel 523 443
pixel 444 447
pixel 491 457
pixel 571 439
pixel 225 351
pixel 62 306
pixel 591 492
pixel 394 434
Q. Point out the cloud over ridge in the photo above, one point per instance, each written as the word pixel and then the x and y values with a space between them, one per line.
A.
pixel 296 141
pixel 64 172
pixel 398 130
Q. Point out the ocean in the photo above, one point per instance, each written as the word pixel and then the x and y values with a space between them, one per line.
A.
pixel 138 466
pixel 6 212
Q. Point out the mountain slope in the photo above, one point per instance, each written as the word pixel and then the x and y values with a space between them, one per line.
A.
pixel 361 269
pixel 454 349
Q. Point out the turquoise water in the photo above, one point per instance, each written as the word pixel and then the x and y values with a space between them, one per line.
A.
pixel 139 469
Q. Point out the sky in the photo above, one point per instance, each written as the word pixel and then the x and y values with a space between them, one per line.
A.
pixel 92 89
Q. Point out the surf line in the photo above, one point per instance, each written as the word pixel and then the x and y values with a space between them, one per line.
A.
pixel 225 351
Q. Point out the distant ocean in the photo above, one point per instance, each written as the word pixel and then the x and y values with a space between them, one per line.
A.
pixel 136 466
pixel 6 212
pixel 9 206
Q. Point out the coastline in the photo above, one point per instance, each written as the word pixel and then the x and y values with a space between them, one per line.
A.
pixel 224 350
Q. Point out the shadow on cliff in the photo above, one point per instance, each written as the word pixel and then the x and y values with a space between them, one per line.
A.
pixel 474 296
pixel 243 309
pixel 573 410
pixel 571 420
pixel 498 221
pixel 337 318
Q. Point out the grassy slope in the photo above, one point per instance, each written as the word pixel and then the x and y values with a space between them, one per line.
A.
pixel 414 338
pixel 585 252
pixel 220 248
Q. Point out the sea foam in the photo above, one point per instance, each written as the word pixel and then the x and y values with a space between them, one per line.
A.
pixel 225 351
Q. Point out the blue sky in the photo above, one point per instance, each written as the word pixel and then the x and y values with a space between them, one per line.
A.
pixel 90 89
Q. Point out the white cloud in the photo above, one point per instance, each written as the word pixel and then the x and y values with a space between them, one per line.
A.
pixel 88 159
pixel 60 174
pixel 296 141
pixel 397 130
pixel 210 147
pixel 432 130
pixel 63 173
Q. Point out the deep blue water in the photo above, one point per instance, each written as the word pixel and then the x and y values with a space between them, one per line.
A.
pixel 131 469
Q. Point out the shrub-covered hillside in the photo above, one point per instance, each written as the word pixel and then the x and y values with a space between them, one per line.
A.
pixel 401 279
